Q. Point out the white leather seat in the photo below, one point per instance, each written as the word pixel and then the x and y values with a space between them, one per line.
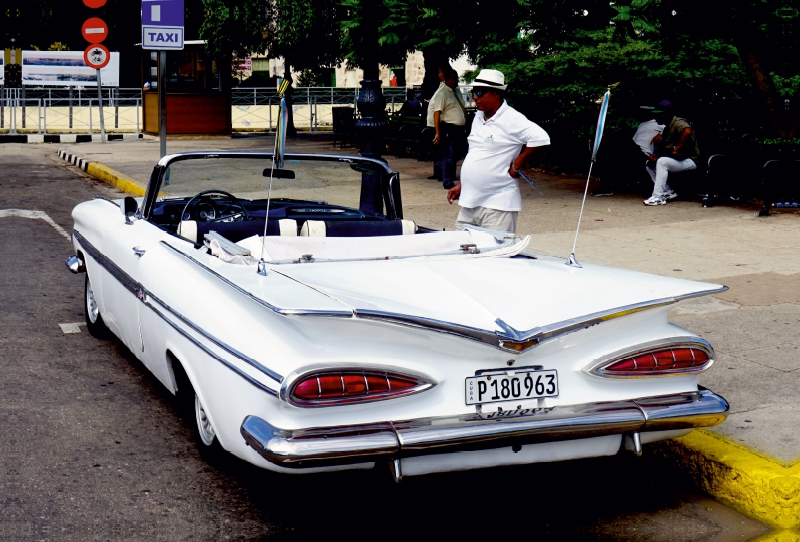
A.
pixel 317 228
pixel 188 229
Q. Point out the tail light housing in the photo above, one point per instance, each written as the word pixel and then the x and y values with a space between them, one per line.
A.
pixel 662 360
pixel 348 386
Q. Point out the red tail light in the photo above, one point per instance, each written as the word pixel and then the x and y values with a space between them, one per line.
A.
pixel 352 386
pixel 658 362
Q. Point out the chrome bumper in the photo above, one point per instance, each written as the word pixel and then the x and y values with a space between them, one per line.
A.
pixel 368 442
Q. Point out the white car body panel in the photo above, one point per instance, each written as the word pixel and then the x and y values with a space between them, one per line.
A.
pixel 240 335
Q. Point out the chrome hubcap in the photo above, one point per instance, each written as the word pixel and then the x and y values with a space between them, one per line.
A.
pixel 203 425
pixel 91 305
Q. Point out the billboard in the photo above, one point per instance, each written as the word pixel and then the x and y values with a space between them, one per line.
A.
pixel 65 68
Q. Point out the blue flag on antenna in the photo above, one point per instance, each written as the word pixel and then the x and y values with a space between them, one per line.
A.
pixel 601 122
pixel 283 121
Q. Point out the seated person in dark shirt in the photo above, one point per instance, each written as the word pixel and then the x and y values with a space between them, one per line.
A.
pixel 676 151
pixel 412 105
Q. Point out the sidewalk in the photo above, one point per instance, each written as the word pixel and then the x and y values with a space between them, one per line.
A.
pixel 754 327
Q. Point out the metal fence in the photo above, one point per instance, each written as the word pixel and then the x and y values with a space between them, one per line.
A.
pixel 76 109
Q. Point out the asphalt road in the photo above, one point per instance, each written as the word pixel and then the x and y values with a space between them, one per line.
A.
pixel 91 447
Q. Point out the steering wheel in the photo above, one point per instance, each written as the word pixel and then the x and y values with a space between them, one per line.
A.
pixel 212 213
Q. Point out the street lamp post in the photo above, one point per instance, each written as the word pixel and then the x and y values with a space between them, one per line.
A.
pixel 372 108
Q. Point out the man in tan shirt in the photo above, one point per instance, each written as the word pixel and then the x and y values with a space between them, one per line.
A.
pixel 447 115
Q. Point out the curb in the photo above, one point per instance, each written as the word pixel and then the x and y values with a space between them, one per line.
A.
pixel 104 173
pixel 65 138
pixel 759 486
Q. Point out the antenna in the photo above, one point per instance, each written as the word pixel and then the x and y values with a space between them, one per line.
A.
pixel 601 120
pixel 283 84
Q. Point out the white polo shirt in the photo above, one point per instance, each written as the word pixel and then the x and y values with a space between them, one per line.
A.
pixel 493 144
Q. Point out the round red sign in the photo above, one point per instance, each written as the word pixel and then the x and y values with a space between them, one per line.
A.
pixel 94 4
pixel 94 30
pixel 96 56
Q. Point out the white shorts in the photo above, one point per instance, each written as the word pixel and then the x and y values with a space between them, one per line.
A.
pixel 491 219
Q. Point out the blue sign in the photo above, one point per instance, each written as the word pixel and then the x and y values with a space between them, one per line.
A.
pixel 162 24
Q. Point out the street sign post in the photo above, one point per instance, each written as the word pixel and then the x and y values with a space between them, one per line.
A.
pixel 96 56
pixel 162 29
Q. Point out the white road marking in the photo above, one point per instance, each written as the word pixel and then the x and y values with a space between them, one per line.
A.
pixel 72 327
pixel 35 214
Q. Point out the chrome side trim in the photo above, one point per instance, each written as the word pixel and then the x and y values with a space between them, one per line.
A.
pixel 273 308
pixel 224 346
pixel 596 368
pixel 508 334
pixel 496 338
pixel 211 354
pixel 356 443
pixel 702 293
pixel 143 295
pixel 482 335
pixel 122 277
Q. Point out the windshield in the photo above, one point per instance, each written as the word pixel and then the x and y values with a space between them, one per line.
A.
pixel 336 182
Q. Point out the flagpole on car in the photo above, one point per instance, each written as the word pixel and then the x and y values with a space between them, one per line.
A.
pixel 601 120
pixel 277 154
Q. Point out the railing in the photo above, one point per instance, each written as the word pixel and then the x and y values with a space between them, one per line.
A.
pixel 76 110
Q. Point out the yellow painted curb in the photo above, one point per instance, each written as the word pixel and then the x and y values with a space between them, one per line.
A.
pixel 759 486
pixel 115 178
pixel 783 535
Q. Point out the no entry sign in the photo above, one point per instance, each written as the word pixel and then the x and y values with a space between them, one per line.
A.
pixel 94 30
pixel 96 56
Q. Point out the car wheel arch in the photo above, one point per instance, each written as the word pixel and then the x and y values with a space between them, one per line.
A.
pixel 177 370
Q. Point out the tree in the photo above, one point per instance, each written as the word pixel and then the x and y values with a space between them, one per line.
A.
pixel 441 29
pixel 304 32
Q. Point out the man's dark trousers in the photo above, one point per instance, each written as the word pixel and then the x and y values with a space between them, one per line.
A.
pixel 450 151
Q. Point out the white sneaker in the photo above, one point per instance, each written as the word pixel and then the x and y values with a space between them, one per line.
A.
pixel 655 200
pixel 670 195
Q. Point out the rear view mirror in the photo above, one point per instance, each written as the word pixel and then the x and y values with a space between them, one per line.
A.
pixel 279 173
pixel 129 208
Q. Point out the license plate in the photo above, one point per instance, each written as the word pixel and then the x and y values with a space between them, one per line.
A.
pixel 497 387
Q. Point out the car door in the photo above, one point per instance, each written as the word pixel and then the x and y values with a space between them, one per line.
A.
pixel 125 245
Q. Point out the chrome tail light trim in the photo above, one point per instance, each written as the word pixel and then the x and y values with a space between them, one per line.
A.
pixel 598 366
pixel 289 383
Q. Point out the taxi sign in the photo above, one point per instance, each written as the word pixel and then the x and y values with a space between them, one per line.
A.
pixel 94 30
pixel 162 24
pixel 96 56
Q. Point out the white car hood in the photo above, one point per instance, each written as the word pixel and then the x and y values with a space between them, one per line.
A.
pixel 524 293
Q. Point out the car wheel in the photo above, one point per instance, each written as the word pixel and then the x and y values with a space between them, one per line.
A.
pixel 192 410
pixel 94 321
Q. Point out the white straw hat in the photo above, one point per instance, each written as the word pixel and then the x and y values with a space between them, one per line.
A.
pixel 490 79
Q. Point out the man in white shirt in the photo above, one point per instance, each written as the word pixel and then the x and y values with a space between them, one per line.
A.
pixel 488 192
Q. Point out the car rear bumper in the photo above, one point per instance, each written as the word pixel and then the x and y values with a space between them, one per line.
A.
pixel 319 446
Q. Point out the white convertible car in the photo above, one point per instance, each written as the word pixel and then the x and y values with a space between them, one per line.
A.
pixel 326 337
